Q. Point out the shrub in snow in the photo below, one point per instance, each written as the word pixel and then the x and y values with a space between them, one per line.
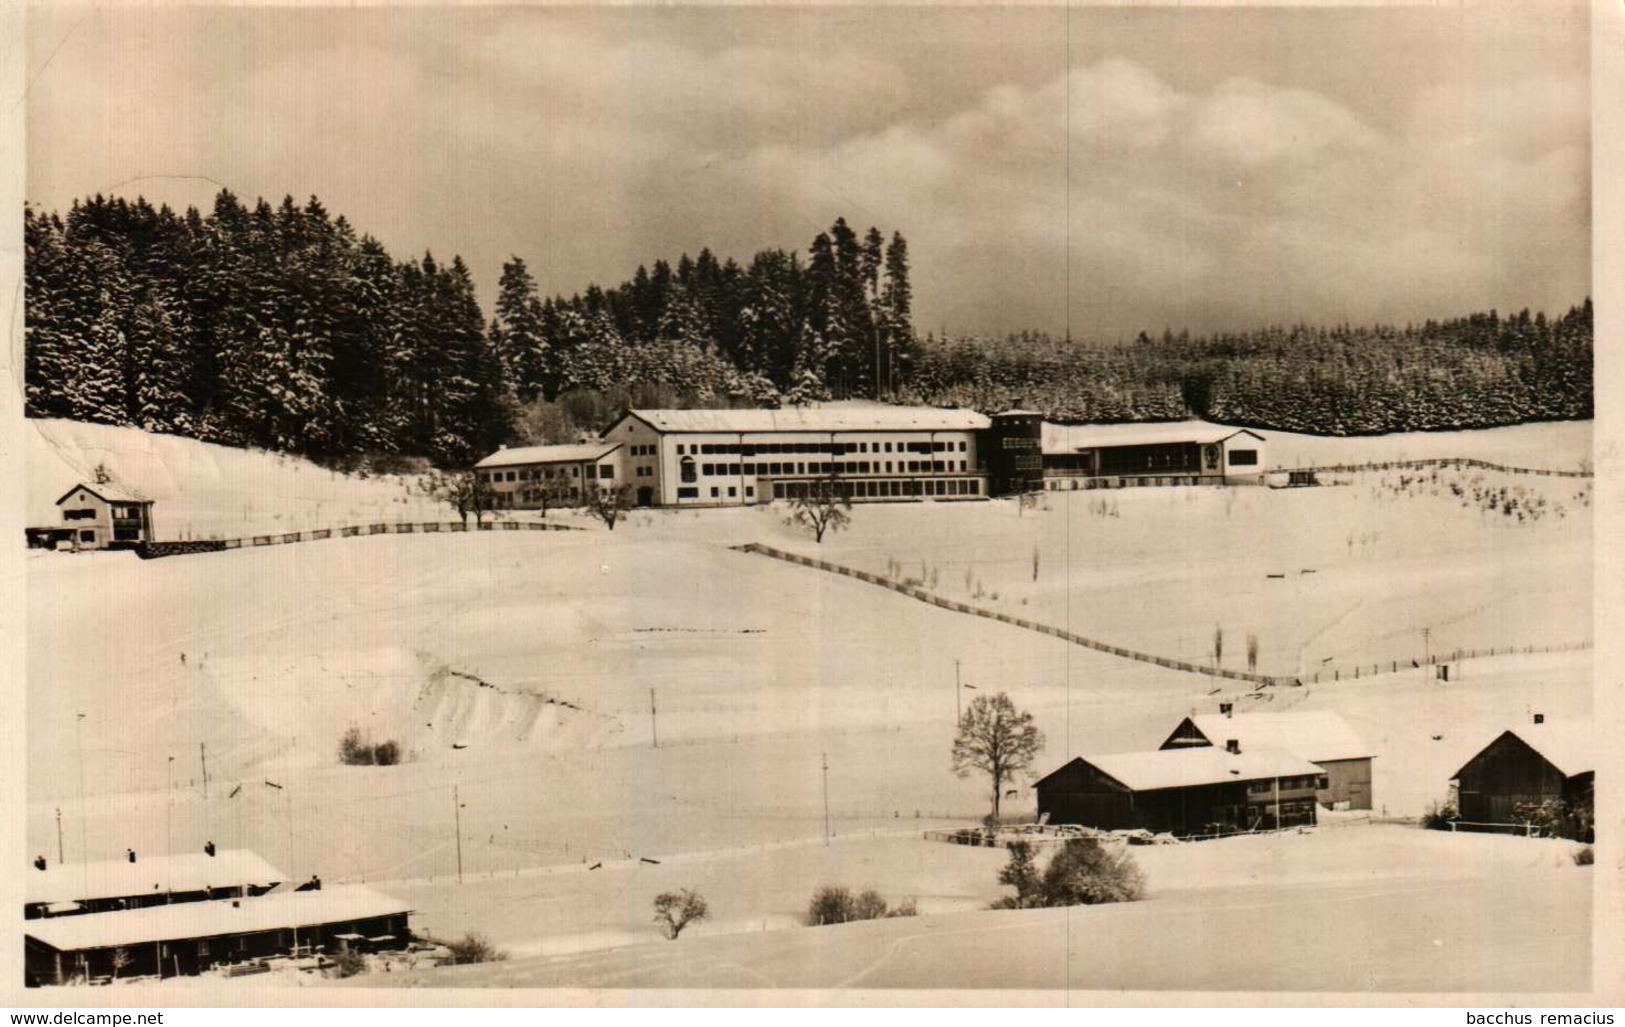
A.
pixel 1438 817
pixel 676 910
pixel 355 751
pixel 1583 857
pixel 473 948
pixel 1082 873
pixel 837 905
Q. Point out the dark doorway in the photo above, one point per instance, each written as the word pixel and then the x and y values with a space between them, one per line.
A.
pixel 646 496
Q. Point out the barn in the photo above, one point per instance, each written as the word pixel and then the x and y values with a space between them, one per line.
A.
pixel 184 939
pixel 73 889
pixel 1126 455
pixel 1319 736
pixel 1523 768
pixel 1197 790
pixel 99 516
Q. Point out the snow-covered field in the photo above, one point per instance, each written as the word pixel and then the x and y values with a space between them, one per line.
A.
pixel 518 668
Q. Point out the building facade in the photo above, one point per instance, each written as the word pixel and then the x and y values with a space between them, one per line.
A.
pixel 99 516
pixel 1187 792
pixel 744 457
pixel 538 477
pixel 1129 455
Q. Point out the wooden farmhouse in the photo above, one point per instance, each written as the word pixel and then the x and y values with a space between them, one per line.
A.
pixel 1524 767
pixel 187 938
pixel 1321 737
pixel 1188 791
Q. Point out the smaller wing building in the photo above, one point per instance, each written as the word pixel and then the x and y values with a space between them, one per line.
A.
pixel 1193 791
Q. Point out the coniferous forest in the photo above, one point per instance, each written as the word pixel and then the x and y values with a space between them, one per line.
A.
pixel 284 327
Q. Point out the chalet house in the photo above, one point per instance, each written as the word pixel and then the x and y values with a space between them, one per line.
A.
pixel 99 516
pixel 1322 738
pixel 1523 768
pixel 76 889
pixel 1189 791
pixel 182 939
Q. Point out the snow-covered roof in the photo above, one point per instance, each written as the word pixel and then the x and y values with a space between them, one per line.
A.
pixel 1566 745
pixel 107 492
pixel 1317 735
pixel 213 919
pixel 851 416
pixel 566 454
pixel 148 875
pixel 1069 438
pixel 1205 765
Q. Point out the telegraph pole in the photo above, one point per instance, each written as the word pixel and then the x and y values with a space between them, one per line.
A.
pixel 654 718
pixel 1427 645
pixel 826 797
pixel 457 812
pixel 60 858
pixel 958 712
pixel 203 756
pixel 169 809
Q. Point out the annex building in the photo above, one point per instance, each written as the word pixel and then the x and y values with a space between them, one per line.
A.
pixel 1129 455
pixel 534 477
pixel 1319 736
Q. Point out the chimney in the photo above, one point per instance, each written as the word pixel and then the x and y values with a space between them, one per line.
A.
pixel 1227 708
pixel 1232 746
pixel 1540 718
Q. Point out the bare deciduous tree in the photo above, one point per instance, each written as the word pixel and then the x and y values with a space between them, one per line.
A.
pixel 823 507
pixel 464 490
pixel 675 910
pixel 997 739
pixel 608 504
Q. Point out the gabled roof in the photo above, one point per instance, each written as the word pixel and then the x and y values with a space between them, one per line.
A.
pixel 1069 438
pixel 567 454
pixel 1203 765
pixel 1565 745
pixel 149 875
pixel 1317 735
pixel 213 919
pixel 107 492
pixel 852 416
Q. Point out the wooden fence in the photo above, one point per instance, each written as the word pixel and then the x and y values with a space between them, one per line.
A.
pixel 155 550
pixel 1262 680
pixel 1455 463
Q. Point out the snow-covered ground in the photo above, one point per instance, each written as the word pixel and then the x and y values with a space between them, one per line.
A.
pixel 517 670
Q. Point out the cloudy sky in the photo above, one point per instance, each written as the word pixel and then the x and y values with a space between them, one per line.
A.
pixel 1103 170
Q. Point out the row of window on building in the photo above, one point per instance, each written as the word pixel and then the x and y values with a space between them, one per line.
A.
pixel 1286 784
pixel 604 471
pixel 832 448
pixel 843 467
pixel 883 489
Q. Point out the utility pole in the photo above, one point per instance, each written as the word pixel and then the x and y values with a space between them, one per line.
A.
pixel 1427 645
pixel 457 812
pixel 60 858
pixel 654 718
pixel 203 756
pixel 958 712
pixel 169 809
pixel 826 797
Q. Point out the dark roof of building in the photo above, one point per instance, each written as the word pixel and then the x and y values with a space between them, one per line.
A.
pixel 107 492
pixel 1318 735
pixel 213 919
pixel 565 454
pixel 849 416
pixel 1201 765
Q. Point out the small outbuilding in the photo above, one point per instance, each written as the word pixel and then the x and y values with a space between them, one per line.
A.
pixel 188 938
pixel 1193 791
pixel 99 516
pixel 1125 455
pixel 1319 736
pixel 1525 769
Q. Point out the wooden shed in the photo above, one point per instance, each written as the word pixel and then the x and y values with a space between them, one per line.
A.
pixel 1523 768
pixel 1319 736
pixel 1203 790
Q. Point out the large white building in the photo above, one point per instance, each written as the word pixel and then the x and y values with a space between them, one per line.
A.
pixel 743 457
